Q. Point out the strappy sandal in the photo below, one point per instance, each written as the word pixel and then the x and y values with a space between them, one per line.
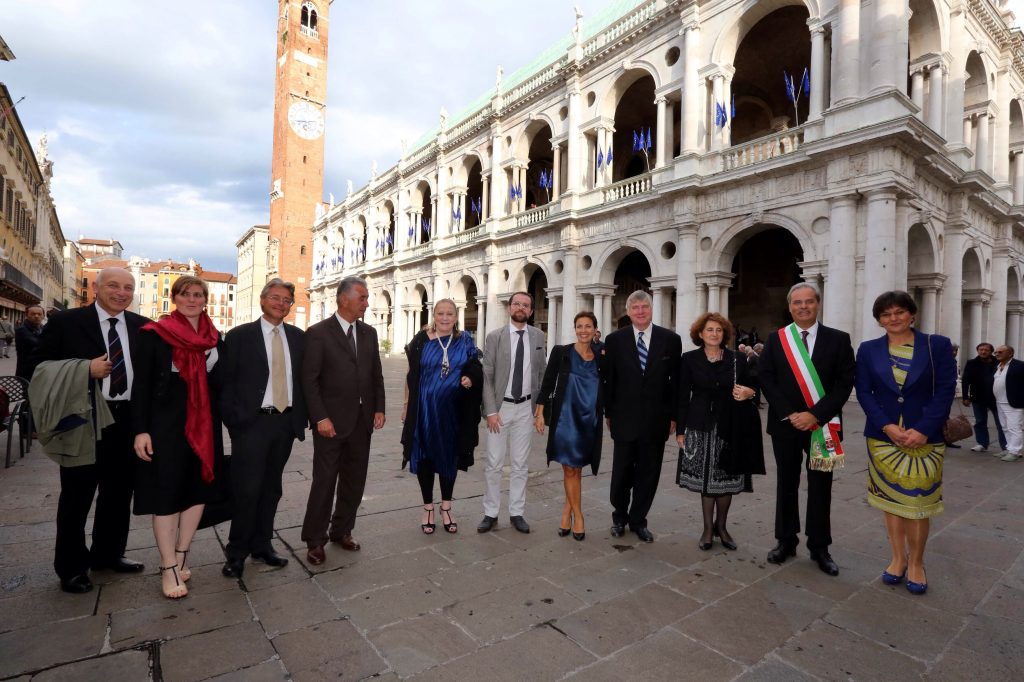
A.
pixel 179 590
pixel 184 571
pixel 451 526
pixel 428 528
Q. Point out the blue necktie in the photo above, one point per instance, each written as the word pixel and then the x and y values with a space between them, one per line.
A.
pixel 115 354
pixel 641 351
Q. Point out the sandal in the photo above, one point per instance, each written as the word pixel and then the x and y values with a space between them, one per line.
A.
pixel 179 590
pixel 428 528
pixel 185 572
pixel 451 526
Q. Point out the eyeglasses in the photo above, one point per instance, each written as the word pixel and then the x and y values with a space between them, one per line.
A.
pixel 278 299
pixel 520 304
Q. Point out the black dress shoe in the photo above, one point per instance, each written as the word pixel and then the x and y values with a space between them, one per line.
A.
pixel 486 524
pixel 120 565
pixel 618 531
pixel 644 534
pixel 520 524
pixel 233 568
pixel 780 553
pixel 271 558
pixel 825 562
pixel 76 584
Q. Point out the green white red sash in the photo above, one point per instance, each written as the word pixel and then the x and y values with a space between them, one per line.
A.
pixel 826 449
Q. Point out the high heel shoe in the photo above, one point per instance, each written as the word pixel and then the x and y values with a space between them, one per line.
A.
pixel 579 536
pixel 184 571
pixel 179 590
pixel 428 528
pixel 562 532
pixel 451 526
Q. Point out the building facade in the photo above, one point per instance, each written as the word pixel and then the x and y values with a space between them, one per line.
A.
pixel 661 147
pixel 220 306
pixel 297 182
pixel 252 273
pixel 76 292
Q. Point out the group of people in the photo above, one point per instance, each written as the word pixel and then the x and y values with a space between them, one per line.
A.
pixel 127 405
pixel 993 382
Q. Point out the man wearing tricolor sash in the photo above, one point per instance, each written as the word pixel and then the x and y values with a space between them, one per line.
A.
pixel 806 373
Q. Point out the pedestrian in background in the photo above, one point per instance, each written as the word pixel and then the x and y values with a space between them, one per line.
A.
pixel 976 384
pixel 1008 388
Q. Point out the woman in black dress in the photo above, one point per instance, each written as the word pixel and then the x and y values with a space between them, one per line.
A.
pixel 571 393
pixel 718 428
pixel 177 426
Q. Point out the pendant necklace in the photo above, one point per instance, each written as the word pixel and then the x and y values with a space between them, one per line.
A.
pixel 445 367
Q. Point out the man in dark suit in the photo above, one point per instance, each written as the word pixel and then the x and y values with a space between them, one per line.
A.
pixel 791 421
pixel 344 388
pixel 1008 389
pixel 26 338
pixel 264 409
pixel 640 403
pixel 976 384
pixel 105 333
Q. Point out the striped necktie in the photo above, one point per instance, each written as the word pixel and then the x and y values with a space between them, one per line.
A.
pixel 115 353
pixel 641 351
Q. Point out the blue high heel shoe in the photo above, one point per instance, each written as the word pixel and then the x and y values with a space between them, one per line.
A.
pixel 916 588
pixel 890 579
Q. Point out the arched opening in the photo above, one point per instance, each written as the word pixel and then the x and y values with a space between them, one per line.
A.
pixel 387 317
pixel 632 274
pixel 308 17
pixel 1017 150
pixel 538 188
pixel 921 257
pixel 420 219
pixel 1014 307
pixel 972 323
pixel 424 316
pixel 471 314
pixel 636 114
pixel 359 248
pixel 925 32
pixel 765 267
pixel 536 285
pixel 976 119
pixel 389 230
pixel 776 46
pixel 474 196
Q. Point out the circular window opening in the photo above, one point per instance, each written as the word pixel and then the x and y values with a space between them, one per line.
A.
pixel 587 262
pixel 672 56
pixel 563 113
pixel 668 250
pixel 591 98
pixel 505 273
pixel 559 266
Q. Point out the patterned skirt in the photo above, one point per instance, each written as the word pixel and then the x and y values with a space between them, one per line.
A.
pixel 699 468
pixel 906 483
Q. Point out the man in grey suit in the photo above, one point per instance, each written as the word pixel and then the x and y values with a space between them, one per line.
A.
pixel 514 362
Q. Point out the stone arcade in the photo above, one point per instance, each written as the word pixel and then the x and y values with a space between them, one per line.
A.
pixel 900 168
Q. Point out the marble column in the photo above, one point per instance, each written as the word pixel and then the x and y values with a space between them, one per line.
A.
pixel 717 90
pixel 556 172
pixel 462 210
pixel 659 156
pixel 686 283
pixel 714 298
pixel 1013 328
pixel 995 326
pixel 552 322
pixel 879 251
pixel 968 125
pixel 889 54
pixel 976 329
pixel 570 257
pixel 690 111
pixel 953 268
pixel 575 144
pixel 839 298
pixel 984 152
pixel 462 314
pixel 667 139
pixel 1018 177
pixel 608 313
pixel 929 307
pixel 499 191
pixel 494 308
pixel 917 91
pixel 657 305
pixel 481 321
pixel 936 102
pixel 847 51
pixel 485 199
pixel 816 99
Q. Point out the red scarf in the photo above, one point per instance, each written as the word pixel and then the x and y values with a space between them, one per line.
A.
pixel 188 352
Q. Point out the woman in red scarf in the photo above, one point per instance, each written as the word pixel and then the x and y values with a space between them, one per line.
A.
pixel 177 426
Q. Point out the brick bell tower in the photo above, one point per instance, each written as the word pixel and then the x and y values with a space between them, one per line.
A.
pixel 297 181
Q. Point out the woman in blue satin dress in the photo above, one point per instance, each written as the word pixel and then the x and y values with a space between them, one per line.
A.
pixel 571 398
pixel 442 409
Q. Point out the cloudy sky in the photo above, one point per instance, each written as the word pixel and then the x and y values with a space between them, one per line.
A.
pixel 159 114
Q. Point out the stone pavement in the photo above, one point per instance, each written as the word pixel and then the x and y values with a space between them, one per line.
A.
pixel 508 606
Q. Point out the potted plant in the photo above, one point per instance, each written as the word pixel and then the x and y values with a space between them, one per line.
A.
pixel 385 347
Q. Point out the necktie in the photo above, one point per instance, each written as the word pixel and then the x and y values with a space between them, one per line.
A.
pixel 278 374
pixel 517 370
pixel 351 336
pixel 641 351
pixel 118 372
pixel 803 337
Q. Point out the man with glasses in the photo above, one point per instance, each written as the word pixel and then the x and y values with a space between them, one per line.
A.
pixel 514 362
pixel 263 407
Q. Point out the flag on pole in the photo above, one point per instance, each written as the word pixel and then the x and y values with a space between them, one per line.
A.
pixel 600 158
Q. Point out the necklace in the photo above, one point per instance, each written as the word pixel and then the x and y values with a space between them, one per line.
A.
pixel 445 367
pixel 714 358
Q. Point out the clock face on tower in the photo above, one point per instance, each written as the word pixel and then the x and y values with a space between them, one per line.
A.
pixel 306 120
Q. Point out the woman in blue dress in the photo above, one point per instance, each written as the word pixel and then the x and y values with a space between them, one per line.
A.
pixel 571 398
pixel 442 409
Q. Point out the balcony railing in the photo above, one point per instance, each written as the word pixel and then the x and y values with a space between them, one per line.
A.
pixel 762 149
pixel 16 285
pixel 533 216
pixel 628 188
pixel 309 32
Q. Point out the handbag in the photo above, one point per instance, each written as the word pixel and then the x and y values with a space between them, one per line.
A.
pixel 957 426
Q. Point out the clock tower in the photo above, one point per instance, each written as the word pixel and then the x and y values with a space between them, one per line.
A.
pixel 297 178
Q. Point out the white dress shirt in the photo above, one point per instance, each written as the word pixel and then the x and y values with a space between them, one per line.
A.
pixel 647 335
pixel 527 383
pixel 268 341
pixel 812 336
pixel 122 333
pixel 345 324
pixel 999 383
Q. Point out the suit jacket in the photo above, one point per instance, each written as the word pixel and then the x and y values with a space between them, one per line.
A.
pixel 498 364
pixel 245 372
pixel 76 334
pixel 641 405
pixel 25 341
pixel 337 384
pixel 832 358
pixel 927 391
pixel 976 381
pixel 1015 383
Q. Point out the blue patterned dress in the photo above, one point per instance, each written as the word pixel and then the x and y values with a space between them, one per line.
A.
pixel 436 438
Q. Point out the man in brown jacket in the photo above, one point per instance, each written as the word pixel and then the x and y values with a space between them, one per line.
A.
pixel 344 389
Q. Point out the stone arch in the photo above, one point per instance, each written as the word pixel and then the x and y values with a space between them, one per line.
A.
pixel 609 260
pixel 744 17
pixel 469 158
pixel 927 30
pixel 973 269
pixel 922 251
pixel 734 236
pixel 626 76
pixel 976 87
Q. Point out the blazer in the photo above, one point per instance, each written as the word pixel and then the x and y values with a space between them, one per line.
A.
pixel 705 388
pixel 552 396
pixel 832 358
pixel 498 363
pixel 1015 383
pixel 976 381
pixel 76 334
pixel 337 384
pixel 245 372
pixel 923 407
pixel 641 405
pixel 25 341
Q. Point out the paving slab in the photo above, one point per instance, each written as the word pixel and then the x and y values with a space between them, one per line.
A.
pixel 35 648
pixel 214 653
pixel 831 653
pixel 510 610
pixel 269 671
pixel 124 666
pixel 372 610
pixel 328 651
pixel 364 576
pixel 172 619
pixel 292 606
pixel 27 610
pixel 416 644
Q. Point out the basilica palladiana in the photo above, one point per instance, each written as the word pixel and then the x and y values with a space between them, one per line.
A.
pixel 713 153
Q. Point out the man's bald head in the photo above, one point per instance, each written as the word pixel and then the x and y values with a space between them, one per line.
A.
pixel 114 289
